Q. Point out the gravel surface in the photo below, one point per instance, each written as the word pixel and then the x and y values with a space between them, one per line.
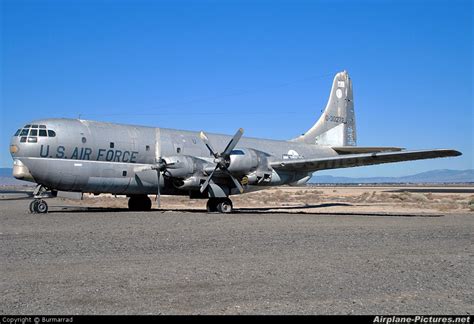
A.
pixel 78 261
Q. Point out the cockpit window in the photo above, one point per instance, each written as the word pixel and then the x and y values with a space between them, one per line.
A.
pixel 34 130
pixel 32 139
pixel 237 152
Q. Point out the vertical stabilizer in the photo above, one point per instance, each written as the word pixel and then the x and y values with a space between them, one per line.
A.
pixel 336 126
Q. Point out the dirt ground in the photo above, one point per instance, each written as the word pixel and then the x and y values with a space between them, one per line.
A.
pixel 306 250
pixel 326 199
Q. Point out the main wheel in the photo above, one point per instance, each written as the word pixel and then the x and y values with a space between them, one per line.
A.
pixel 146 203
pixel 212 205
pixel 224 206
pixel 139 203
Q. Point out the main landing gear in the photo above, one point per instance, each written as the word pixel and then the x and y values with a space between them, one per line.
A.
pixel 139 203
pixel 38 205
pixel 221 205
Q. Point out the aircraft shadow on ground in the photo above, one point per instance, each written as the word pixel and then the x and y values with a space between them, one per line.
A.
pixel 288 210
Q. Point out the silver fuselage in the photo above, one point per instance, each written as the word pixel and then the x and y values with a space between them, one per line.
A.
pixel 97 157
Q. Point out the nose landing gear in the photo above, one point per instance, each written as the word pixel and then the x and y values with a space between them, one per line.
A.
pixel 38 205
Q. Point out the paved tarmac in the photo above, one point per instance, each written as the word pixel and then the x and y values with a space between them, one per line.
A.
pixel 112 261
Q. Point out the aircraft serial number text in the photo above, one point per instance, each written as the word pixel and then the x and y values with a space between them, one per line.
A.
pixel 335 119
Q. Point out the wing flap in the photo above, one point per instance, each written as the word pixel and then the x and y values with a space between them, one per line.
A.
pixel 354 160
pixel 363 149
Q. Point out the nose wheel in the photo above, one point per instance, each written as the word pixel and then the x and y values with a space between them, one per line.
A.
pixel 221 205
pixel 38 206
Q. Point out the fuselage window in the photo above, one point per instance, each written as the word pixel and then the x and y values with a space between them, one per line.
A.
pixel 237 152
pixel 84 140
pixel 51 133
pixel 24 132
pixel 34 132
pixel 147 147
pixel 112 144
pixel 124 173
pixel 42 132
pixel 178 150
pixel 32 139
pixel 17 132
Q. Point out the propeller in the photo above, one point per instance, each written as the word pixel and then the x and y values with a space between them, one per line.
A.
pixel 159 167
pixel 222 160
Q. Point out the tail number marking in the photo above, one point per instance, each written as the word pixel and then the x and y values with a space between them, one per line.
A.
pixel 335 119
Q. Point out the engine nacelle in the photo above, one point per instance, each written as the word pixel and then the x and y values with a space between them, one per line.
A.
pixel 191 183
pixel 262 177
pixel 242 161
pixel 180 166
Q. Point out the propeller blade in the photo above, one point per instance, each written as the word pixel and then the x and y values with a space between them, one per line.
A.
pixel 233 142
pixel 208 144
pixel 158 194
pixel 206 183
pixel 144 168
pixel 236 182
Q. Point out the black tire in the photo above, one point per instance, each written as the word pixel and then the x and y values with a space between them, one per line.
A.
pixel 132 203
pixel 41 207
pixel 212 205
pixel 32 206
pixel 139 203
pixel 146 203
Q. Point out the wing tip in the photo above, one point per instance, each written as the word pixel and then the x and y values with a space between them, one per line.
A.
pixel 449 152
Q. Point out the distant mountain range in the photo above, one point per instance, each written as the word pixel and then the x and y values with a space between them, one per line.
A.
pixel 7 179
pixel 435 176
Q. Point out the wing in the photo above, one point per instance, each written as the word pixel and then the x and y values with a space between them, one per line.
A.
pixel 354 160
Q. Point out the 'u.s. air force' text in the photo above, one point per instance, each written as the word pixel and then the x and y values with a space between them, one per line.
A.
pixel 87 153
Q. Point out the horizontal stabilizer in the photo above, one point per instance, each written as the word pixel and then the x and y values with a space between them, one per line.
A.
pixel 354 160
pixel 361 149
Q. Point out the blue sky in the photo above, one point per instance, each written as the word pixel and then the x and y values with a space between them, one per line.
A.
pixel 266 66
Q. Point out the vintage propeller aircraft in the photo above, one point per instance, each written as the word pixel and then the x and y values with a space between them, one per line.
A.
pixel 95 157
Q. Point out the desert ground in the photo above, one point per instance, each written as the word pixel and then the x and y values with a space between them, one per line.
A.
pixel 307 250
pixel 324 199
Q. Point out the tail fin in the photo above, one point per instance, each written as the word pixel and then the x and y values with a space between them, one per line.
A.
pixel 336 126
